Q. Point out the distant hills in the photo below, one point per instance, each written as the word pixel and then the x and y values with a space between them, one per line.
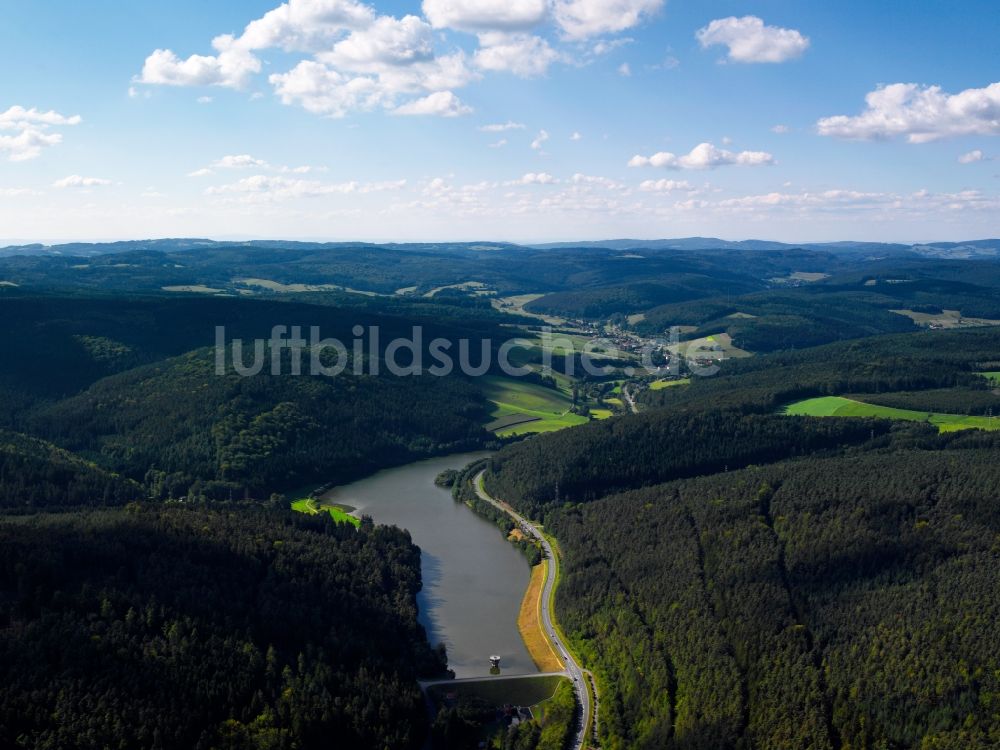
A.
pixel 985 248
pixel 966 249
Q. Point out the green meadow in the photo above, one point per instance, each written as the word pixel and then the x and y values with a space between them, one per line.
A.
pixel 993 377
pixel 312 507
pixel 522 407
pixel 837 406
pixel 659 385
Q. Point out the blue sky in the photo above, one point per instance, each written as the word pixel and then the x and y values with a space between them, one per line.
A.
pixel 336 119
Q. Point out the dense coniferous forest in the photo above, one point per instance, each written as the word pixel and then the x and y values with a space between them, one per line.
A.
pixel 191 627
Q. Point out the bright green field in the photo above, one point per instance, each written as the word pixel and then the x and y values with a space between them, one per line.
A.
pixel 309 506
pixel 512 396
pixel 659 385
pixel 994 376
pixel 835 406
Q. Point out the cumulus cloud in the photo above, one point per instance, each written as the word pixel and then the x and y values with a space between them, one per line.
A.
pixel 232 67
pixel 357 60
pixel 540 139
pixel 486 15
pixel 440 104
pixel 580 19
pixel 502 127
pixel 18 118
pixel 76 181
pixel 972 157
pixel 703 156
pixel 387 41
pixel 204 172
pixel 535 178
pixel 920 114
pixel 324 91
pixel 576 136
pixel 750 41
pixel 306 25
pixel 624 70
pixel 31 131
pixel 524 55
pixel 238 161
pixel 665 186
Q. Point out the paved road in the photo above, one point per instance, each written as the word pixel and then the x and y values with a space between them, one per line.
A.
pixel 573 670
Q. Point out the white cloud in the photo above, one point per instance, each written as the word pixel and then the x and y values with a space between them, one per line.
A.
pixel 32 131
pixel 18 192
pixel 486 15
pixel 580 19
pixel 750 41
pixel 665 186
pixel 19 118
pixel 535 178
pixel 387 41
pixel 972 157
pixel 201 172
pixel 238 161
pixel 357 60
pixel 321 90
pixel 920 113
pixel 624 70
pixel 306 25
pixel 76 181
pixel 499 144
pixel 703 156
pixel 593 180
pixel 502 127
pixel 576 136
pixel 232 67
pixel 540 139
pixel 781 129
pixel 439 104
pixel 523 55
pixel 266 188
pixel 205 100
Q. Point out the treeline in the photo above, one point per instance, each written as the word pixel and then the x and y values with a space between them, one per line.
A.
pixel 587 462
pixel 184 627
pixel 971 401
pixel 822 603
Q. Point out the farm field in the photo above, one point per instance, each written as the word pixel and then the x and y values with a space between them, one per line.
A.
pixel 311 507
pixel 659 385
pixel 529 623
pixel 994 377
pixel 945 319
pixel 837 406
pixel 523 407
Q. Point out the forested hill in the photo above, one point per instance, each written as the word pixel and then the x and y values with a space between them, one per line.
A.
pixel 189 629
pixel 593 460
pixel 842 602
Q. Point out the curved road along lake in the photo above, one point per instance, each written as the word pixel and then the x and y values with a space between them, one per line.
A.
pixel 473 579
